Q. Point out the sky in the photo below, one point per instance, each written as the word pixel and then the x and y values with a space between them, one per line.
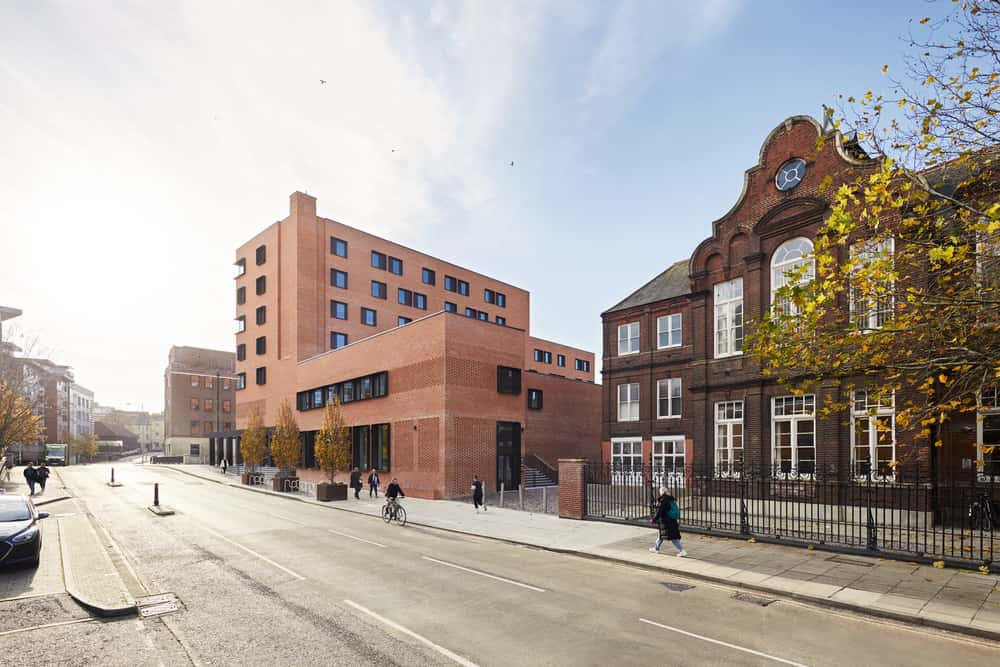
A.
pixel 142 142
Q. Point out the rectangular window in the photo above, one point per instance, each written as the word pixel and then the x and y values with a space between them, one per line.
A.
pixel 668 461
pixel 261 314
pixel 626 461
pixel 261 375
pixel 402 321
pixel 241 352
pixel 241 296
pixel 261 254
pixel 470 312
pixel 729 318
pixel 195 381
pixel 337 340
pixel 195 427
pixel 449 307
pixel 483 315
pixel 793 436
pixel 668 398
pixel 668 331
pixel 463 288
pixel 871 299
pixel 261 284
pixel 241 324
pixel 241 267
pixel 209 427
pixel 450 284
pixel 378 260
pixel 195 449
pixel 195 404
pixel 420 301
pixel 405 297
pixel 502 321
pixel 227 406
pixel 534 399
pixel 538 356
pixel 261 344
pixel 396 266
pixel 873 436
pixel 628 402
pixel 508 380
pixel 209 405
pixel 427 277
pixel 368 317
pixel 241 381
pixel 209 383
pixel 379 290
pixel 338 278
pixel 500 299
pixel 338 247
pixel 380 447
pixel 227 384
pixel 338 310
pixel 583 365
pixel 546 357
pixel 488 295
pixel 346 392
pixel 561 360
pixel 628 338
pixel 729 438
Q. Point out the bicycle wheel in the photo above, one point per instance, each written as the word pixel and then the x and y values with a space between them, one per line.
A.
pixel 401 515
pixel 387 514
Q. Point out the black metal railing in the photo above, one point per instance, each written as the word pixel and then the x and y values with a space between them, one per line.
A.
pixel 902 512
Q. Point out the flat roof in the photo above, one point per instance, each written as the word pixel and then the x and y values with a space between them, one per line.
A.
pixel 7 313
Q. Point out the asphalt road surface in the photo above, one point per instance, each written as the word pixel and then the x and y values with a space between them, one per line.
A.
pixel 268 581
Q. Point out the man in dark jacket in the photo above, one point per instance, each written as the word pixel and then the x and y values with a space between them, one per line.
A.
pixel 356 483
pixel 29 476
pixel 42 475
pixel 669 528
pixel 394 491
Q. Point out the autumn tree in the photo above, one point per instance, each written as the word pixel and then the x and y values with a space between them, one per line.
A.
pixel 903 296
pixel 333 441
pixel 286 447
pixel 84 445
pixel 20 397
pixel 253 442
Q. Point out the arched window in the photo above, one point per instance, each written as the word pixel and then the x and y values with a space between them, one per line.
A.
pixel 788 258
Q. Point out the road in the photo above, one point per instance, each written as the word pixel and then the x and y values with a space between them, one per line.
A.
pixel 264 580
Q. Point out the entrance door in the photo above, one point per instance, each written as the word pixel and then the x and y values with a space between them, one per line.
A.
pixel 508 454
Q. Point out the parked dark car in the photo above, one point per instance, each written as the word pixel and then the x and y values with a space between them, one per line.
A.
pixel 20 538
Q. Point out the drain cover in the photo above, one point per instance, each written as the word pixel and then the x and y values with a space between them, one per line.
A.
pixel 157 605
pixel 675 587
pixel 753 599
pixel 156 599
pixel 847 560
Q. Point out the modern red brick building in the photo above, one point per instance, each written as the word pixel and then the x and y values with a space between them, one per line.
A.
pixel 679 390
pixel 434 364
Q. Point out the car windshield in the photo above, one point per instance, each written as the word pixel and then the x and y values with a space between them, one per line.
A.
pixel 13 509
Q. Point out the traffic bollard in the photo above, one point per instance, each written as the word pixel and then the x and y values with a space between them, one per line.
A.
pixel 112 475
pixel 156 495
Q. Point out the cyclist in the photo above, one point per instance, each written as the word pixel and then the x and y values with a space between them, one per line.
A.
pixel 392 493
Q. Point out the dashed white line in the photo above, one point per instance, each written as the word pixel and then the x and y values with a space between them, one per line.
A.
pixel 485 574
pixel 396 626
pixel 254 553
pixel 353 537
pixel 722 643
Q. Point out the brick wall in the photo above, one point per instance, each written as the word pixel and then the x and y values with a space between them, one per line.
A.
pixel 572 488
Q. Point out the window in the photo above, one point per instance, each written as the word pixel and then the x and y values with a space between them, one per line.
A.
pixel 668 461
pixel 583 365
pixel 337 340
pixel 396 266
pixel 508 380
pixel 793 436
pixel 450 284
pixel 427 277
pixel 241 267
pixel 470 312
pixel 488 295
pixel 538 355
pixel 873 436
pixel 338 247
pixel 241 324
pixel 405 297
pixel 358 389
pixel 338 278
pixel 871 300
pixel 208 428
pixel 668 398
pixel 209 383
pixel 261 284
pixel 227 384
pixel 988 434
pixel 241 381
pixel 500 299
pixel 195 381
pixel 379 290
pixel 241 296
pixel 420 301
pixel 463 288
pixel 729 438
pixel 241 352
pixel 502 321
pixel 261 314
pixel 261 344
pixel 261 255
pixel 546 357
pixel 729 318
pixel 449 307
pixel 368 317
pixel 195 427
pixel 560 360
pixel 338 310
pixel 402 321
pixel 791 257
pixel 262 375
pixel 378 260
pixel 534 399
pixel 227 406
pixel 380 446
pixel 209 405
pixel 628 402
pixel 628 338
pixel 626 461
pixel 195 404
pixel 483 315
pixel 668 331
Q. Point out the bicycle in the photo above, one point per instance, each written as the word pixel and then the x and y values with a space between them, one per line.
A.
pixel 984 513
pixel 393 510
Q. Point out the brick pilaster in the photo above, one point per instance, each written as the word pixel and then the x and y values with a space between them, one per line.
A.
pixel 572 488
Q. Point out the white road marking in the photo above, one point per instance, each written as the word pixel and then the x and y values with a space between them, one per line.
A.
pixel 722 643
pixel 359 539
pixel 396 626
pixel 485 574
pixel 254 553
pixel 47 625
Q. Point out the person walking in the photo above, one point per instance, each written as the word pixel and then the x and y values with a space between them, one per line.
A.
pixel 29 476
pixel 666 517
pixel 477 493
pixel 373 483
pixel 356 483
pixel 223 464
pixel 42 475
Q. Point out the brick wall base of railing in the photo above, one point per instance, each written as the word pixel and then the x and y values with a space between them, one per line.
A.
pixel 572 488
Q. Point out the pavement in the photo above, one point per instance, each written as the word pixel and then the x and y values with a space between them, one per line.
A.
pixel 950 599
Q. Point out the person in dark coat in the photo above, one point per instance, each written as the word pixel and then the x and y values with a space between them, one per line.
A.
pixel 356 483
pixel 30 476
pixel 373 483
pixel 670 529
pixel 42 475
pixel 477 493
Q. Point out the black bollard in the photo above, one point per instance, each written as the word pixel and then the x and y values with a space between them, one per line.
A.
pixel 112 475
pixel 156 495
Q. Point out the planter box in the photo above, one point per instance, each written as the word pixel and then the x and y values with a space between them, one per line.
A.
pixel 245 478
pixel 326 491
pixel 278 483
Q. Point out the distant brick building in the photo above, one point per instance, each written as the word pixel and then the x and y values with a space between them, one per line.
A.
pixel 199 399
pixel 439 376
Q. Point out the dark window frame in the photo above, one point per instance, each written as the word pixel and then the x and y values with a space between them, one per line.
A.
pixel 260 375
pixel 428 276
pixel 393 263
pixel 501 320
pixel 364 311
pixel 508 380
pixel 260 285
pixel 260 315
pixel 333 309
pixel 379 290
pixel 450 307
pixel 363 388
pixel 400 320
pixel 334 241
pixel 261 345
pixel 450 283
pixel 535 399
pixel 404 296
pixel 463 288
pixel 241 295
pixel 241 352
pixel 419 301
pixel 334 275
pixel 561 360
pixel 379 260
pixel 334 339
pixel 260 255
pixel 241 381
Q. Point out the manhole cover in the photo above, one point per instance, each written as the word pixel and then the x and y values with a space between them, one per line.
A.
pixel 753 599
pixel 157 609
pixel 676 587
pixel 850 561
pixel 156 599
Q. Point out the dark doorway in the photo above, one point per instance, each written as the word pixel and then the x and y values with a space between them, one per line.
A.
pixel 508 454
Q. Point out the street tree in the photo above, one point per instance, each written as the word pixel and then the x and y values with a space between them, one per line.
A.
pixel 20 396
pixel 333 441
pixel 84 444
pixel 903 298
pixel 253 442
pixel 286 447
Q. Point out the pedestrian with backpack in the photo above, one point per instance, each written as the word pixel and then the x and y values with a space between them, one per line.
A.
pixel 30 476
pixel 666 518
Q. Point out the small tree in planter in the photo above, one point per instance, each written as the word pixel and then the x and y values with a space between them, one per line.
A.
pixel 253 444
pixel 286 448
pixel 333 452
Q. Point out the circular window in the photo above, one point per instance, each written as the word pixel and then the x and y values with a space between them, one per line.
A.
pixel 790 174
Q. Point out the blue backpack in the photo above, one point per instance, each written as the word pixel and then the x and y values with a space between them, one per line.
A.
pixel 673 512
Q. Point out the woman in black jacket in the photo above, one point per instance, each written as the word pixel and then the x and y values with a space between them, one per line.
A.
pixel 669 528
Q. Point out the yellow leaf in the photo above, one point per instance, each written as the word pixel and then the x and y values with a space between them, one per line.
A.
pixel 925 20
pixel 942 378
pixel 939 564
pixel 885 68
pixel 902 103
